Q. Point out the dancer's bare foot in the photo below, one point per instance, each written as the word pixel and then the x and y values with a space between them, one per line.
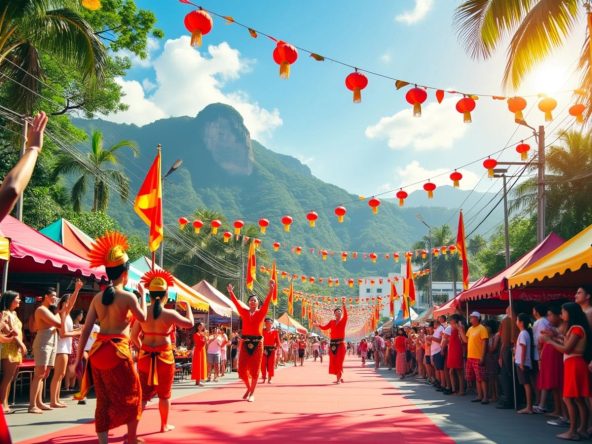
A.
pixel 251 398
pixel 246 395
pixel 167 428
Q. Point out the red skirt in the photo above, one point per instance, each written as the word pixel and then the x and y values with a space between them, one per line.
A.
pixel 249 365
pixel 336 359
pixel 576 381
pixel 550 368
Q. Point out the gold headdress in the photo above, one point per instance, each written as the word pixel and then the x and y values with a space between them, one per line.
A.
pixel 158 280
pixel 109 250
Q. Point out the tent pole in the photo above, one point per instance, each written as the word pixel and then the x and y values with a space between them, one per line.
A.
pixel 5 277
pixel 513 370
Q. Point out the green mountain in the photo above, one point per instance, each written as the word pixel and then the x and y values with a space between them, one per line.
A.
pixel 225 170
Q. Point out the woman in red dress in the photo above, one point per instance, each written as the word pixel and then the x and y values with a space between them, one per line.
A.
pixel 401 349
pixel 454 358
pixel 199 366
pixel 550 378
pixel 251 346
pixel 337 347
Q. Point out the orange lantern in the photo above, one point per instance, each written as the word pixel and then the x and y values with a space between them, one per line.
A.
pixel 197 226
pixel 356 82
pixel 374 203
pixel 227 235
pixel 490 164
pixel 238 226
pixel 215 224
pixel 452 249
pixel 182 223
pixel 257 242
pixel 284 274
pixel 373 257
pixel 444 250
pixel 396 257
pixel 465 106
pixel 424 254
pixel 360 281
pixel 455 177
pixel 350 282
pixel 516 105
pixel 577 111
pixel 340 212
pixel 284 55
pixel 311 280
pixel 547 105
pixel 337 282
pixel 387 256
pixel 263 224
pixel 324 254
pixel 312 218
pixel 429 188
pixel 330 282
pixel 276 246
pixel 287 221
pixel 416 96
pixel 344 256
pixel 303 278
pixel 198 23
pixel 298 250
pixel 91 5
pixel 435 252
pixel 402 195
pixel 523 149
pixel 355 254
pixel 294 276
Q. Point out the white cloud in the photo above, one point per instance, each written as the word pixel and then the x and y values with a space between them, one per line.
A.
pixel 152 45
pixel 305 160
pixel 414 172
pixel 439 126
pixel 187 80
pixel 421 9
pixel 386 58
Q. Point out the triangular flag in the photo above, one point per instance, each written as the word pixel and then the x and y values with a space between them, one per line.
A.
pixel 274 296
pixel 462 251
pixel 148 204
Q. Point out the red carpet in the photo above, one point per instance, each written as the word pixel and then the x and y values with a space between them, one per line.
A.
pixel 301 405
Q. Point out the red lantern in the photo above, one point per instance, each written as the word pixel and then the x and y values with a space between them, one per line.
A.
pixel 424 254
pixel 276 246
pixel 402 195
pixel 238 225
pixel 523 149
pixel 455 177
pixel 197 226
pixel 263 224
pixel 311 280
pixel 435 252
pixel 344 256
pixel 547 105
pixel 373 257
pixel 444 250
pixel 396 257
pixel 356 82
pixel 490 164
pixel 257 242
pixel 465 106
pixel 312 218
pixel 324 254
pixel 182 222
pixel 298 250
pixel 287 221
pixel 215 224
pixel 452 249
pixel 340 212
pixel 429 188
pixel 516 105
pixel 303 278
pixel 577 111
pixel 284 274
pixel 416 96
pixel 360 281
pixel 198 23
pixel 350 282
pixel 227 235
pixel 374 203
pixel 355 254
pixel 284 55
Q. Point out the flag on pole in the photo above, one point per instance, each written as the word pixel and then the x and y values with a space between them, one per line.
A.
pixel 274 296
pixel 410 287
pixel 251 266
pixel 392 298
pixel 462 251
pixel 291 299
pixel 148 204
pixel 405 307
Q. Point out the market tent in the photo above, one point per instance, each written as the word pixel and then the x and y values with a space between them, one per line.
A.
pixel 181 292
pixel 283 327
pixel 32 252
pixel 568 266
pixel 224 306
pixel 496 288
pixel 4 248
pixel 291 322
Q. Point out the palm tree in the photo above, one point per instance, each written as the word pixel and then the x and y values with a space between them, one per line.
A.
pixel 31 29
pixel 93 167
pixel 568 186
pixel 536 27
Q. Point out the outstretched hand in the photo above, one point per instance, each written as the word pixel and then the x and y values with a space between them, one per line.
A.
pixel 78 285
pixel 36 131
pixel 230 288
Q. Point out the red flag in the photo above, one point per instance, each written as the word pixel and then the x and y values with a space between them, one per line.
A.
pixel 274 296
pixel 410 293
pixel 291 299
pixel 148 204
pixel 462 250
pixel 392 298
pixel 251 266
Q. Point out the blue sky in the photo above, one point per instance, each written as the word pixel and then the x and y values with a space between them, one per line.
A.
pixel 365 148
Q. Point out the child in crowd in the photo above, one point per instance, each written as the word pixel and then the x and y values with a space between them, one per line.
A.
pixel 492 358
pixel 524 358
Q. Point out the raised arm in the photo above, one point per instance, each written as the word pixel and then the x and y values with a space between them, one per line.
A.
pixel 345 316
pixel 241 310
pixel 265 305
pixel 72 301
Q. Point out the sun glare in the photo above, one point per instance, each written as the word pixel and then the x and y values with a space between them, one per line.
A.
pixel 550 78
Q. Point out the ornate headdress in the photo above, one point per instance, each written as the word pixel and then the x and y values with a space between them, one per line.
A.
pixel 109 250
pixel 158 280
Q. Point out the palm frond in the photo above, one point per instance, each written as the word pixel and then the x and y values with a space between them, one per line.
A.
pixel 66 164
pixel 131 144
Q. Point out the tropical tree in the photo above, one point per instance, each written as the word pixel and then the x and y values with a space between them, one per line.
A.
pixel 94 167
pixel 567 186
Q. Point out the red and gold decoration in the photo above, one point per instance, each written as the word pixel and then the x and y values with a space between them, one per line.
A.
pixel 287 223
pixel 356 82
pixel 276 246
pixel 263 224
pixel 238 226
pixel 490 164
pixel 465 106
pixel 285 55
pixel 517 105
pixel 462 249
pixel 456 177
pixel 197 226
pixel 157 280
pixel 148 204
pixel 523 149
pixel 429 187
pixel 183 221
pixel 402 195
pixel 227 236
pixel 374 203
pixel 415 97
pixel 198 23
pixel 215 225
pixel 577 111
pixel 312 217
pixel 340 212
pixel 109 250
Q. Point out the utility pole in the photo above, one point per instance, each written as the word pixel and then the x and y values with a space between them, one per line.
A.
pixel 506 223
pixel 419 218
pixel 541 229
pixel 174 167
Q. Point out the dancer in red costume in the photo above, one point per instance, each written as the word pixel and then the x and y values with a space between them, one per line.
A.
pixel 251 346
pixel 110 366
pixel 271 342
pixel 337 347
pixel 156 362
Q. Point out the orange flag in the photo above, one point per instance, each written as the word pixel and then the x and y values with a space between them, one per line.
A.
pixel 274 296
pixel 410 293
pixel 148 204
pixel 251 266
pixel 462 250
pixel 392 298
pixel 291 299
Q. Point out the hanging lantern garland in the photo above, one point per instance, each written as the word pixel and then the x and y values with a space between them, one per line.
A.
pixel 356 82
pixel 198 23
pixel 547 105
pixel 523 149
pixel 455 176
pixel 402 195
pixel 415 97
pixel 429 188
pixel 285 55
pixel 490 164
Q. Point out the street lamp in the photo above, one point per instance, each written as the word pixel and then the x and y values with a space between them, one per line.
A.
pixel 174 167
pixel 419 218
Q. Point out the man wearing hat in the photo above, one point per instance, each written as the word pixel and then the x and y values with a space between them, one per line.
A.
pixel 476 339
pixel 271 342
pixel 337 347
pixel 110 367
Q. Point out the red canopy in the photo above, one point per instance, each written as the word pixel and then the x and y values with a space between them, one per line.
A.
pixel 454 304
pixel 32 252
pixel 497 286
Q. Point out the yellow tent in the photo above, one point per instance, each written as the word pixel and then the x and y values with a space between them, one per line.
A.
pixel 188 294
pixel 564 266
pixel 4 248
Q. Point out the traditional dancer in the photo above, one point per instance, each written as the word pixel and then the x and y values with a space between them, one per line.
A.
pixel 251 347
pixel 337 348
pixel 110 366
pixel 271 342
pixel 156 362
